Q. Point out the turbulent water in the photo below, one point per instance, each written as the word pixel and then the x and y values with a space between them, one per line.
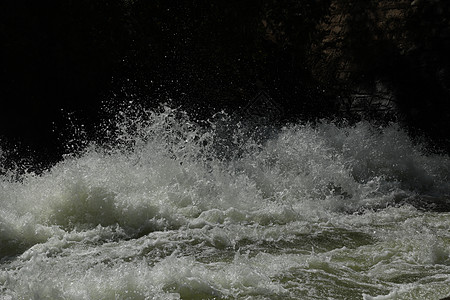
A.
pixel 164 208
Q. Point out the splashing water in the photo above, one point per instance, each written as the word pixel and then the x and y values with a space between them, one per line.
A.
pixel 165 208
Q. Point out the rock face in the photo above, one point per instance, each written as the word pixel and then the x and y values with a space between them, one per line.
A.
pixel 371 45
pixel 387 58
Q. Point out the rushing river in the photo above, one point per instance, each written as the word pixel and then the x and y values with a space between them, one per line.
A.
pixel 164 208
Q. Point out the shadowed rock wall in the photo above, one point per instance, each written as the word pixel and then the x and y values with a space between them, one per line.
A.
pixel 388 58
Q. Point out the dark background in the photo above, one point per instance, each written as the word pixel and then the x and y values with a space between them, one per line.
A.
pixel 62 62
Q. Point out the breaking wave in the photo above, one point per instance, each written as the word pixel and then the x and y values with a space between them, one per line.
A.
pixel 163 206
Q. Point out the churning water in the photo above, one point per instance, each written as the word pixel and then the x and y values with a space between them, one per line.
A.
pixel 165 209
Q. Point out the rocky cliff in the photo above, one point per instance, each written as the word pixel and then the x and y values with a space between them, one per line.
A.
pixel 388 56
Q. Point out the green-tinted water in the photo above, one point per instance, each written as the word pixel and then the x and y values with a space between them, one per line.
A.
pixel 320 212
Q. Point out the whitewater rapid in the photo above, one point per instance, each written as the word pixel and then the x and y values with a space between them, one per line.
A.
pixel 165 208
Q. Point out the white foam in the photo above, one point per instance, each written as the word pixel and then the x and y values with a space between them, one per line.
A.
pixel 171 209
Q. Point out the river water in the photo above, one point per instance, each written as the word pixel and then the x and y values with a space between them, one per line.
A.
pixel 164 208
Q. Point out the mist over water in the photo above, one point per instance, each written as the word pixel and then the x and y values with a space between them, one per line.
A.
pixel 165 207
